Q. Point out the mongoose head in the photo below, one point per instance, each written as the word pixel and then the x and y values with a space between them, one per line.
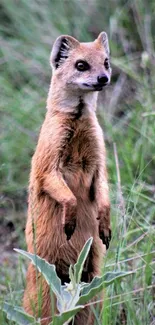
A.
pixel 81 66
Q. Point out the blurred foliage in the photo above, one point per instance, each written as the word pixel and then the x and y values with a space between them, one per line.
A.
pixel 126 112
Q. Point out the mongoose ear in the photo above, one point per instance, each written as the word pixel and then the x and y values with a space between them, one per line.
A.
pixel 61 48
pixel 103 39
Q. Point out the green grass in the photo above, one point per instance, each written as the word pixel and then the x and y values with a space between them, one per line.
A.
pixel 126 112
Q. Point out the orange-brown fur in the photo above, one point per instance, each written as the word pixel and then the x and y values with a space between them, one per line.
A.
pixel 68 189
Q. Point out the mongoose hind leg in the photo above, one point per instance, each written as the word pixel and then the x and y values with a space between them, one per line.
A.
pixel 37 300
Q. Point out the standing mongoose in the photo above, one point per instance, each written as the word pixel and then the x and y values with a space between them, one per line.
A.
pixel 68 191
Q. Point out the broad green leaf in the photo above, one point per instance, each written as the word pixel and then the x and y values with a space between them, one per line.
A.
pixel 66 316
pixel 110 277
pixel 98 283
pixel 90 290
pixel 78 267
pixel 76 296
pixel 18 315
pixel 71 274
pixel 67 297
pixel 47 270
pixel 71 295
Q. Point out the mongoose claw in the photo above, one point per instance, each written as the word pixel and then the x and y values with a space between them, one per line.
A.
pixel 105 237
pixel 69 229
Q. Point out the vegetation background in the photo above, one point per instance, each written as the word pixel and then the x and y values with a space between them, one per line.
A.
pixel 127 114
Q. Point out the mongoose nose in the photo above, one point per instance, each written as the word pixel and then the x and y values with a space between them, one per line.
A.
pixel 102 80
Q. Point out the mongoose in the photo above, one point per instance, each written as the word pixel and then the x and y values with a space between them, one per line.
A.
pixel 68 191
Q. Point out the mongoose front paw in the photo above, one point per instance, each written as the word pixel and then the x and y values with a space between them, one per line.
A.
pixel 69 228
pixel 69 217
pixel 105 235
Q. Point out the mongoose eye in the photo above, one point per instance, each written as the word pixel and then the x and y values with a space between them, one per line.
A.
pixel 82 65
pixel 107 63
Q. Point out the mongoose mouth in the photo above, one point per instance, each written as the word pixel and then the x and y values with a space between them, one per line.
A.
pixel 98 87
pixel 95 87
